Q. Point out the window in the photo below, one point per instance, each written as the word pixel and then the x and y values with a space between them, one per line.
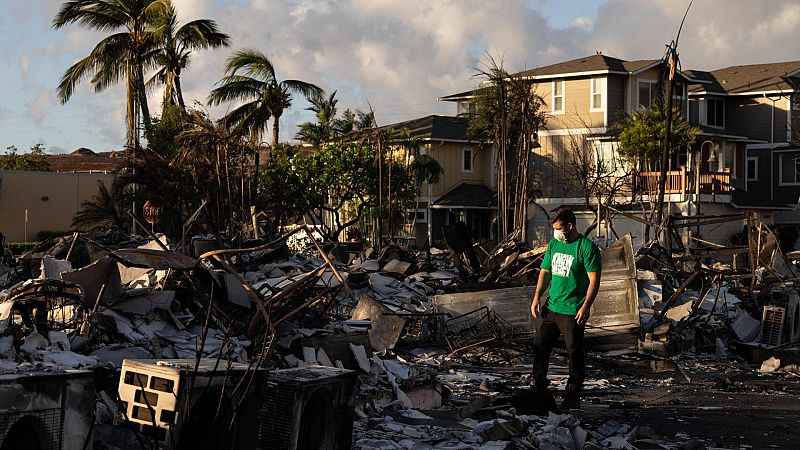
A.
pixel 790 168
pixel 598 89
pixel 647 92
pixel 466 159
pixel 752 168
pixel 715 112
pixel 418 216
pixel 558 96
pixel 728 161
pixel 466 107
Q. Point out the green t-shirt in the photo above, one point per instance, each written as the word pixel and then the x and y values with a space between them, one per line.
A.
pixel 569 263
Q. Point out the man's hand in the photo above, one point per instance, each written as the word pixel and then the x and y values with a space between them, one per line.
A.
pixel 535 307
pixel 583 315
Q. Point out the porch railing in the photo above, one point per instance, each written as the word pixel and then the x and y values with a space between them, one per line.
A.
pixel 681 181
pixel 647 182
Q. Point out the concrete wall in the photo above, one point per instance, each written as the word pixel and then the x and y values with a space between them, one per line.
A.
pixel 51 199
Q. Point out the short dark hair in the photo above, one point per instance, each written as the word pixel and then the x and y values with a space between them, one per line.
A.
pixel 565 215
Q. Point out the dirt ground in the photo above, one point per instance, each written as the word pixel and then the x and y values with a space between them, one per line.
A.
pixel 727 404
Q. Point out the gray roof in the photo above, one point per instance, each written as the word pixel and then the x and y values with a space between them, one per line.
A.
pixel 469 195
pixel 748 78
pixel 433 127
pixel 587 64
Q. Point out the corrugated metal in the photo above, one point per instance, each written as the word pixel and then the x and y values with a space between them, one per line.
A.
pixel 614 312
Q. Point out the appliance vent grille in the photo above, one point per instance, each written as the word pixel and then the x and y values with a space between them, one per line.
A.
pixel 772 325
pixel 48 438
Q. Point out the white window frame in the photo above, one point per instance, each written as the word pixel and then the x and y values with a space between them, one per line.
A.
pixel 638 92
pixel 602 85
pixel 420 215
pixel 553 96
pixel 753 176
pixel 780 170
pixel 464 151
pixel 708 110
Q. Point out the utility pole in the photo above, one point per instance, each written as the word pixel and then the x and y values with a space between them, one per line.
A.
pixel 662 184
pixel 672 59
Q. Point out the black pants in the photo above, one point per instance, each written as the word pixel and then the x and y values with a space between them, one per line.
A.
pixel 552 325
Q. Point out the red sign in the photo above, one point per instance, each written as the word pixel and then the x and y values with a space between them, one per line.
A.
pixel 152 211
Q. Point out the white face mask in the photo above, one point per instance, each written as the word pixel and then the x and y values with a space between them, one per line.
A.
pixel 559 235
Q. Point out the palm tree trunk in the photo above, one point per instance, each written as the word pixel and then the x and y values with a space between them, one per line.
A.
pixel 275 129
pixel 131 109
pixel 179 91
pixel 143 98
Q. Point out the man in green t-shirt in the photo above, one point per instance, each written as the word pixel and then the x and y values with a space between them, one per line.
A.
pixel 573 262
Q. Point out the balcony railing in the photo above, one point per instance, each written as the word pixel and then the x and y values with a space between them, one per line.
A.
pixel 681 181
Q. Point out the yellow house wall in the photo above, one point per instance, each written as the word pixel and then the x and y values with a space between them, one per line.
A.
pixel 52 199
pixel 449 155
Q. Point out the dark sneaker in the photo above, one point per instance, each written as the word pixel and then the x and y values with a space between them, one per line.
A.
pixel 571 401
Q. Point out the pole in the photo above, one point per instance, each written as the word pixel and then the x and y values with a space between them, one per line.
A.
pixel 26 224
pixel 662 184
pixel 380 195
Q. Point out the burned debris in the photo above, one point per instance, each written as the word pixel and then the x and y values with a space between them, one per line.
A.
pixel 252 347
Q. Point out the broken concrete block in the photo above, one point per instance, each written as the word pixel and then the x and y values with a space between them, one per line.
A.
pixel 399 370
pixel 33 342
pixel 322 358
pixel 59 340
pixel 68 359
pixel 309 355
pixel 361 357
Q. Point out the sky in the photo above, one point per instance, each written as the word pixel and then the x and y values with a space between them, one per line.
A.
pixel 394 56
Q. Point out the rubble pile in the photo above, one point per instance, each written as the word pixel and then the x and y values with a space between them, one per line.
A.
pixel 441 340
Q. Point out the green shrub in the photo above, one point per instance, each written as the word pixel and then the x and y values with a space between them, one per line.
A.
pixel 18 248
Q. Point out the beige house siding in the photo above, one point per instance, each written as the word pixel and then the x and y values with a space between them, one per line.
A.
pixel 577 100
pixel 51 198
pixel 551 163
pixel 450 157
pixel 752 117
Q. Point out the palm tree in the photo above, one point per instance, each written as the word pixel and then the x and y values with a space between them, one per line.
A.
pixel 175 45
pixel 103 211
pixel 324 129
pixel 250 77
pixel 123 54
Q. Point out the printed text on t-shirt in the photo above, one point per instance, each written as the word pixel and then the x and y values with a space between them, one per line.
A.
pixel 562 264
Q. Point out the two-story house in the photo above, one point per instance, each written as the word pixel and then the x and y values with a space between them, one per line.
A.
pixel 466 189
pixel 758 101
pixel 583 98
pixel 739 112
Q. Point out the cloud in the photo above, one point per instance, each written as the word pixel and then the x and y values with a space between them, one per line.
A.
pixel 398 57
pixel 38 107
pixel 24 64
pixel 582 22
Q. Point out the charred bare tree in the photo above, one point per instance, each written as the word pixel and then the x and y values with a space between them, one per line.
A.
pixel 507 118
